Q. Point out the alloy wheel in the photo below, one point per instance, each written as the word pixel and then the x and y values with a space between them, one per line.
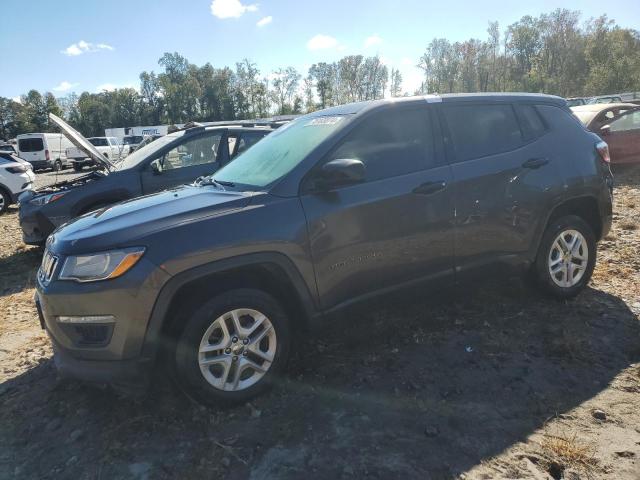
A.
pixel 568 258
pixel 237 349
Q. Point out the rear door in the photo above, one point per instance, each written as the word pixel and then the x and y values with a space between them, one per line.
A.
pixel 32 148
pixel 504 175
pixel 197 155
pixel 396 226
pixel 623 138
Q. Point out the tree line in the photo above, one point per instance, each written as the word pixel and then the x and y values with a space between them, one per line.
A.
pixel 552 53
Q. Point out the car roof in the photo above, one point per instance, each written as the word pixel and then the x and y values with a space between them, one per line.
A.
pixel 357 107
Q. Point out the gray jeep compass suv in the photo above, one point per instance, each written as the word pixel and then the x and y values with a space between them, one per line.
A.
pixel 335 207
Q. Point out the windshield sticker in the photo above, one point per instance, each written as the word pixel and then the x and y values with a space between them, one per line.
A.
pixel 324 121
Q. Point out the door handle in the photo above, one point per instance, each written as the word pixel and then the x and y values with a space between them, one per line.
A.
pixel 534 163
pixel 429 188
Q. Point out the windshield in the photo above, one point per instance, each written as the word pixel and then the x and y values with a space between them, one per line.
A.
pixel 275 156
pixel 132 140
pixel 148 150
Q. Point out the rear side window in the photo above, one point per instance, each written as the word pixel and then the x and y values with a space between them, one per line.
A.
pixel 99 142
pixel 390 144
pixel 30 145
pixel 530 121
pixel 481 130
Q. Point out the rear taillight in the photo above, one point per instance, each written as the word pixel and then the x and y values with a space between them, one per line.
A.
pixel 46 155
pixel 603 150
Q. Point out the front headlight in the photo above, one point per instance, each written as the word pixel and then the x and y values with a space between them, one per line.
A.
pixel 44 199
pixel 100 266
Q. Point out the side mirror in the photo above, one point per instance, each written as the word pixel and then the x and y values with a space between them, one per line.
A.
pixel 605 130
pixel 156 166
pixel 341 172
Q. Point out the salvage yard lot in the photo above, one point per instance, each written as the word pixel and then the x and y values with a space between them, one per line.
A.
pixel 498 383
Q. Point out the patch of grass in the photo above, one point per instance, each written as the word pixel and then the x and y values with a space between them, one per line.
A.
pixel 565 450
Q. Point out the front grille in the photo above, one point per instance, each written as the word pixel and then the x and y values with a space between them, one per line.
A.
pixel 48 267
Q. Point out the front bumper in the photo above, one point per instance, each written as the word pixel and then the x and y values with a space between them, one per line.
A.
pixel 129 299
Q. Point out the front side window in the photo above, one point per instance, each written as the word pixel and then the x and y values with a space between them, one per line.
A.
pixel 196 151
pixel 390 144
pixel 629 121
pixel 482 130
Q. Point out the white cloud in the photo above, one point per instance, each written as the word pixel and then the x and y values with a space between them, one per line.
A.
pixel 407 61
pixel 64 86
pixel 320 42
pixel 230 8
pixel 17 99
pixel 81 47
pixel 264 21
pixel 372 41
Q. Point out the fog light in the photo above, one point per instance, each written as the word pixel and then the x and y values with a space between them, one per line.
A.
pixel 87 319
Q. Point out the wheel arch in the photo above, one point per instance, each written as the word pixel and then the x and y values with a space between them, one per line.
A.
pixel 586 207
pixel 271 272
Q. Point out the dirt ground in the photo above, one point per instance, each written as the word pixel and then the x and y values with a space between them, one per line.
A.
pixel 500 382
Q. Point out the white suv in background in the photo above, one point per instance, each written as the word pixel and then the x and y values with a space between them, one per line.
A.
pixel 16 176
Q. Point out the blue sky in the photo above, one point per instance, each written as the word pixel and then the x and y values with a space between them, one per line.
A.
pixel 64 46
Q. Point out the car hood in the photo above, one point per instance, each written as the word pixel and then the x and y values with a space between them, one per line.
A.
pixel 81 142
pixel 133 220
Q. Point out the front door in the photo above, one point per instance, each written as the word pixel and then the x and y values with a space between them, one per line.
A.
pixel 197 155
pixel 393 228
pixel 623 138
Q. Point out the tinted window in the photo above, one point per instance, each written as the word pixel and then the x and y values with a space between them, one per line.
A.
pixel 481 130
pixel 532 126
pixel 30 145
pixel 390 144
pixel 247 140
pixel 99 142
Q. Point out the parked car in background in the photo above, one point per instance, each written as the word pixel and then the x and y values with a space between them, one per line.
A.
pixel 16 176
pixel 110 147
pixel 574 102
pixel 172 160
pixel 44 150
pixel 339 206
pixel 618 124
pixel 7 148
pixel 131 142
pixel 605 99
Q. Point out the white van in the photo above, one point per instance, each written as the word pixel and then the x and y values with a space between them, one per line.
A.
pixel 44 150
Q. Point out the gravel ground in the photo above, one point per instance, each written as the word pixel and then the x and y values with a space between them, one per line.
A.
pixel 497 383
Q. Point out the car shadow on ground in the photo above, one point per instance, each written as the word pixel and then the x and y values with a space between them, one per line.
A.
pixel 19 270
pixel 404 388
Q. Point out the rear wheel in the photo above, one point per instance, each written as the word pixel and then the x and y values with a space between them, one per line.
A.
pixel 566 257
pixel 4 201
pixel 232 347
pixel 57 166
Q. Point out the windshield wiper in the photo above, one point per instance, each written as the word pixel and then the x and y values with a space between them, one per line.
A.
pixel 222 182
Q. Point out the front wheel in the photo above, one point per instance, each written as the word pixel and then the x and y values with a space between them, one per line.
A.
pixel 77 167
pixel 566 257
pixel 4 201
pixel 57 166
pixel 232 347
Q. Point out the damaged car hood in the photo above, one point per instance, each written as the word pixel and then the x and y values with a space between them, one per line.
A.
pixel 81 142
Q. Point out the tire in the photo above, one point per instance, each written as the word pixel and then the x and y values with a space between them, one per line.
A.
pixel 5 200
pixel 213 384
pixel 77 167
pixel 573 269
pixel 57 166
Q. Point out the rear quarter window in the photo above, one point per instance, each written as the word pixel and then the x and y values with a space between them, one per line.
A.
pixel 30 145
pixel 530 122
pixel 482 130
